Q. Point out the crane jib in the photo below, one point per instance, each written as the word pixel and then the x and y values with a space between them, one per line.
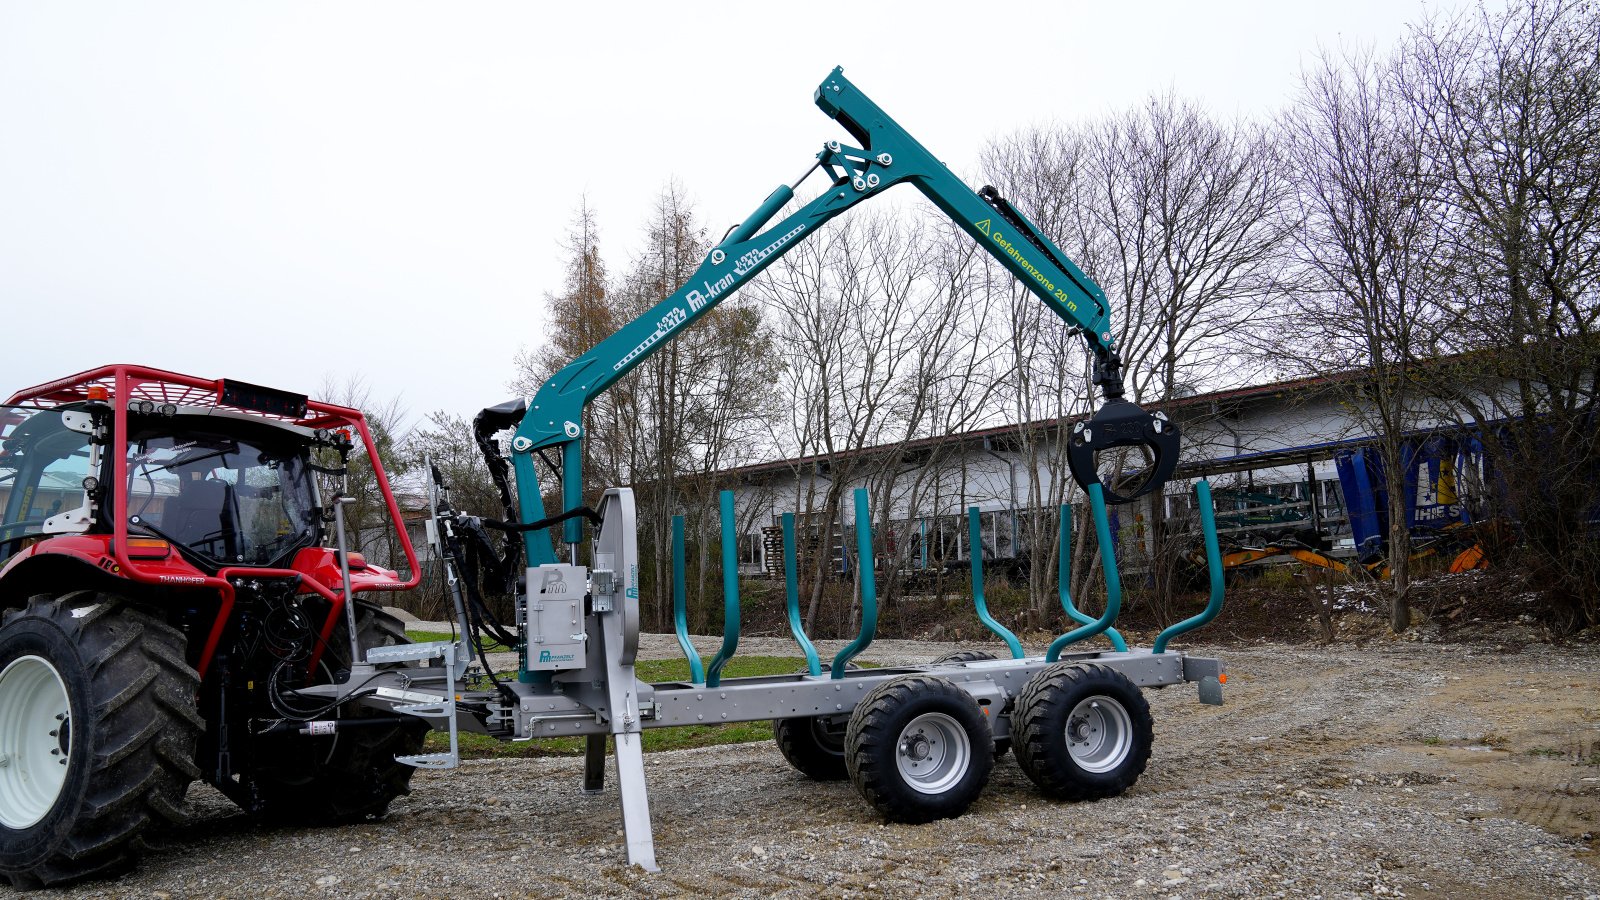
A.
pixel 888 156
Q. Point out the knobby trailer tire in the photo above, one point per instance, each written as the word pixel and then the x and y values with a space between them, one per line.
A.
pixel 813 745
pixel 1082 731
pixel 910 722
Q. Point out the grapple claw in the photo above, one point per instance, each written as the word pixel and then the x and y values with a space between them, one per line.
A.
pixel 1120 423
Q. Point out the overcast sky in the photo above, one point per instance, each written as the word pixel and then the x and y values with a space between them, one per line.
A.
pixel 287 192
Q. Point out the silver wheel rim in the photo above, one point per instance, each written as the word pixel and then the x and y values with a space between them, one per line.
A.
pixel 35 740
pixel 1099 734
pixel 932 753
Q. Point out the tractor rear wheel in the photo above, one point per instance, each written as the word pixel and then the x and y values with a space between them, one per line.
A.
pixel 98 728
pixel 351 775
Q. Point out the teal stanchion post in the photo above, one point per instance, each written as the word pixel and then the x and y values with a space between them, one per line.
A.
pixel 730 594
pixel 791 589
pixel 869 588
pixel 680 604
pixel 1208 526
pixel 1108 560
pixel 1064 585
pixel 975 553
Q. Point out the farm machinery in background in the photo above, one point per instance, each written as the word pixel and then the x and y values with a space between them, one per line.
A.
pixel 191 610
pixel 1261 528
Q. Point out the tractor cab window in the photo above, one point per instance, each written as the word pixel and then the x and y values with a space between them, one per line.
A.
pixel 231 499
pixel 42 467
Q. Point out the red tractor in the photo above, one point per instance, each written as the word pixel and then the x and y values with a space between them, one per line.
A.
pixel 171 571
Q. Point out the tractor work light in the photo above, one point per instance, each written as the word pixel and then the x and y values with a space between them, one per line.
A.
pixel 262 399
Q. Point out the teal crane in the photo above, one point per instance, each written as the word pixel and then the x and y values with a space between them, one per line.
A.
pixel 884 155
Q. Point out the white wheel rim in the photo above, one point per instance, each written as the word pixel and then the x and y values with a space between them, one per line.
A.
pixel 932 753
pixel 35 740
pixel 1099 734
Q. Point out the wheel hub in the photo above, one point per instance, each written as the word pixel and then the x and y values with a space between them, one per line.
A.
pixel 1099 734
pixel 35 740
pixel 917 748
pixel 933 753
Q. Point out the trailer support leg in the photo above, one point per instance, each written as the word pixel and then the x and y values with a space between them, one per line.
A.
pixel 594 764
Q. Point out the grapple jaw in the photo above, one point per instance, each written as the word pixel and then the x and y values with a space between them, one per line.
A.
pixel 1121 423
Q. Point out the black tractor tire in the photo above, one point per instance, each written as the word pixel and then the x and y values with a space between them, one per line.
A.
pixel 914 721
pixel 127 740
pixel 356 778
pixel 1001 745
pixel 1083 731
pixel 813 745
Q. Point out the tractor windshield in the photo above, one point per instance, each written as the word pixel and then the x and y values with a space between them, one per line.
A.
pixel 233 499
pixel 42 467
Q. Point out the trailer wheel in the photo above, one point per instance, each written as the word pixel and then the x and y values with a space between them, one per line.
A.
pixel 813 745
pixel 356 777
pixel 1001 745
pixel 98 728
pixel 918 749
pixel 1083 731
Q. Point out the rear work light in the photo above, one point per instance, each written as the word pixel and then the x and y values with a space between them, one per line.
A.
pixel 148 548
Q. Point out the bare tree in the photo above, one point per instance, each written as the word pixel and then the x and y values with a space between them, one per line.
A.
pixel 882 347
pixel 1508 104
pixel 1363 246
pixel 695 407
pixel 577 317
pixel 1187 207
pixel 1176 216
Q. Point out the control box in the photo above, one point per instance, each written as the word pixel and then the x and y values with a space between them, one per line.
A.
pixel 553 625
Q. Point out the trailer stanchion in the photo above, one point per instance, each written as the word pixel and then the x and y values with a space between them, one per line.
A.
pixel 975 552
pixel 1064 586
pixel 791 588
pixel 1108 560
pixel 865 572
pixel 680 604
pixel 730 593
pixel 1208 526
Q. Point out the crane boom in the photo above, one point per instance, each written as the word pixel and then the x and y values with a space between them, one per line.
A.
pixel 887 156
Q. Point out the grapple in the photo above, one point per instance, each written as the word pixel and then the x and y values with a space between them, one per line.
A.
pixel 1122 423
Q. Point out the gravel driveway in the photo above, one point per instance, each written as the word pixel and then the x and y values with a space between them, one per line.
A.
pixel 1398 769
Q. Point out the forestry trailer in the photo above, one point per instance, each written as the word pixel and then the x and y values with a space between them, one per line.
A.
pixel 178 606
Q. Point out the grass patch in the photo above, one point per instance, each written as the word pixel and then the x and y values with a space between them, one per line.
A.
pixel 479 746
pixel 1546 751
pixel 428 637
pixel 1432 741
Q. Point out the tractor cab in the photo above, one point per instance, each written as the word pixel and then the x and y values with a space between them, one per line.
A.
pixel 222 491
pixel 186 537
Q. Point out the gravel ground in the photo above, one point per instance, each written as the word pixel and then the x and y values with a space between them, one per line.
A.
pixel 1395 769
